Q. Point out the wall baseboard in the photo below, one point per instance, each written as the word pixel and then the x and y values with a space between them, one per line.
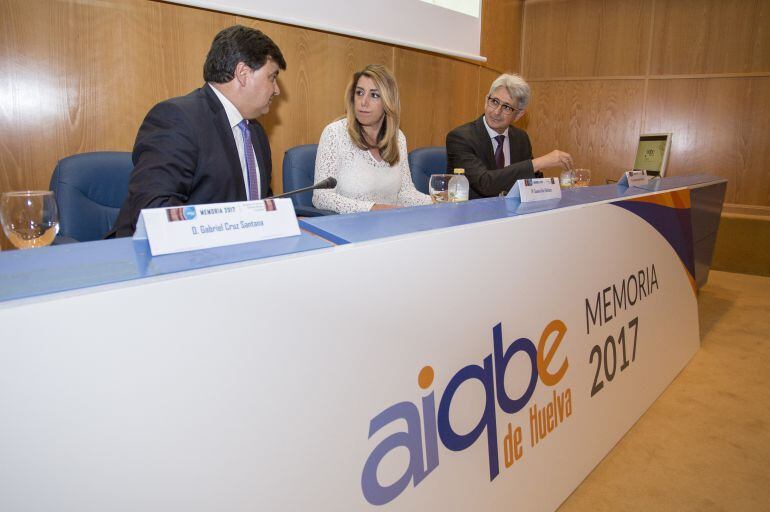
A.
pixel 745 210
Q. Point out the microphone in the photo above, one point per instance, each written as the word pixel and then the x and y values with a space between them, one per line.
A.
pixel 323 184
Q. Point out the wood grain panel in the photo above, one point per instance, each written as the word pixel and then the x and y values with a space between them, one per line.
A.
pixel 720 127
pixel 586 38
pixel 597 121
pixel 80 77
pixel 48 65
pixel 501 34
pixel 319 67
pixel 486 77
pixel 711 36
pixel 177 39
pixel 437 94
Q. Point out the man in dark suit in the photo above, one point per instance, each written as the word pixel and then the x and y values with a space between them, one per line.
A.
pixel 493 152
pixel 207 147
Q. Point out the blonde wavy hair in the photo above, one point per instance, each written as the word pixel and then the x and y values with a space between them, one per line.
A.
pixel 387 138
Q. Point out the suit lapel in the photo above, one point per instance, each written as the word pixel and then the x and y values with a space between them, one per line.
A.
pixel 225 133
pixel 486 143
pixel 510 143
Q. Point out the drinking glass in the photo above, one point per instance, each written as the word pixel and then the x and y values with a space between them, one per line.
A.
pixel 567 178
pixel 30 218
pixel 582 177
pixel 438 186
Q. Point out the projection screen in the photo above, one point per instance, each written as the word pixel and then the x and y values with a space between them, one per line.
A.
pixel 450 27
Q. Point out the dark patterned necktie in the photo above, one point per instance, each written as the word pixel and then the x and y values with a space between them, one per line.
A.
pixel 499 156
pixel 251 164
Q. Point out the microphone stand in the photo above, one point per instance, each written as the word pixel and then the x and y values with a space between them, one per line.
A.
pixel 327 183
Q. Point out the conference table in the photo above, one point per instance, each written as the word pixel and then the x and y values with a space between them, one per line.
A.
pixel 481 355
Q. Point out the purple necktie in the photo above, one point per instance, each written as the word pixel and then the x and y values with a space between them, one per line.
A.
pixel 251 164
pixel 499 156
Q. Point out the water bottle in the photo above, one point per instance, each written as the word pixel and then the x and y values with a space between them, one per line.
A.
pixel 459 188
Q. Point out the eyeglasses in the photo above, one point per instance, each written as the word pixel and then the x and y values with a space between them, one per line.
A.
pixel 494 104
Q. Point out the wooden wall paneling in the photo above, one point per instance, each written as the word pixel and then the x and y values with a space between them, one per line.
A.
pixel 24 101
pixel 80 77
pixel 720 123
pixel 160 50
pixel 711 36
pixel 437 94
pixel 720 126
pixel 501 34
pixel 169 44
pixel 586 38
pixel 596 121
pixel 319 67
pixel 51 63
pixel 486 77
pixel 163 49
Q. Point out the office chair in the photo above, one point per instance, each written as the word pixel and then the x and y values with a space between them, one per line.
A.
pixel 299 172
pixel 426 161
pixel 90 189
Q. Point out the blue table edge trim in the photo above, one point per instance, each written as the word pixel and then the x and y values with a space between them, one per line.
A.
pixel 323 233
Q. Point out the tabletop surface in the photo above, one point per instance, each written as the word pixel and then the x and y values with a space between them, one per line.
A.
pixel 360 227
pixel 29 273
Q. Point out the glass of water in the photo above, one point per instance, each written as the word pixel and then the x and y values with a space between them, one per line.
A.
pixel 582 177
pixel 29 218
pixel 438 186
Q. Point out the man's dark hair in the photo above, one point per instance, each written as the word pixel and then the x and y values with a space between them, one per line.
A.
pixel 239 44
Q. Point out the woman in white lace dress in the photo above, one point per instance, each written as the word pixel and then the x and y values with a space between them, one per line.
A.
pixel 366 152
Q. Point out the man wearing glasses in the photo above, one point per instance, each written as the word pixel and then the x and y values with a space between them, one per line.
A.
pixel 493 152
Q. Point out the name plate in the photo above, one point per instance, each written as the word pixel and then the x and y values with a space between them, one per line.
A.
pixel 536 189
pixel 192 227
pixel 638 178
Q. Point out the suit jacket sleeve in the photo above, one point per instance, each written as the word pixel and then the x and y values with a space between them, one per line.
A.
pixel 465 152
pixel 165 156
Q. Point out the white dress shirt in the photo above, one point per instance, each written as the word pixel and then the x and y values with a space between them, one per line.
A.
pixel 506 147
pixel 235 117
